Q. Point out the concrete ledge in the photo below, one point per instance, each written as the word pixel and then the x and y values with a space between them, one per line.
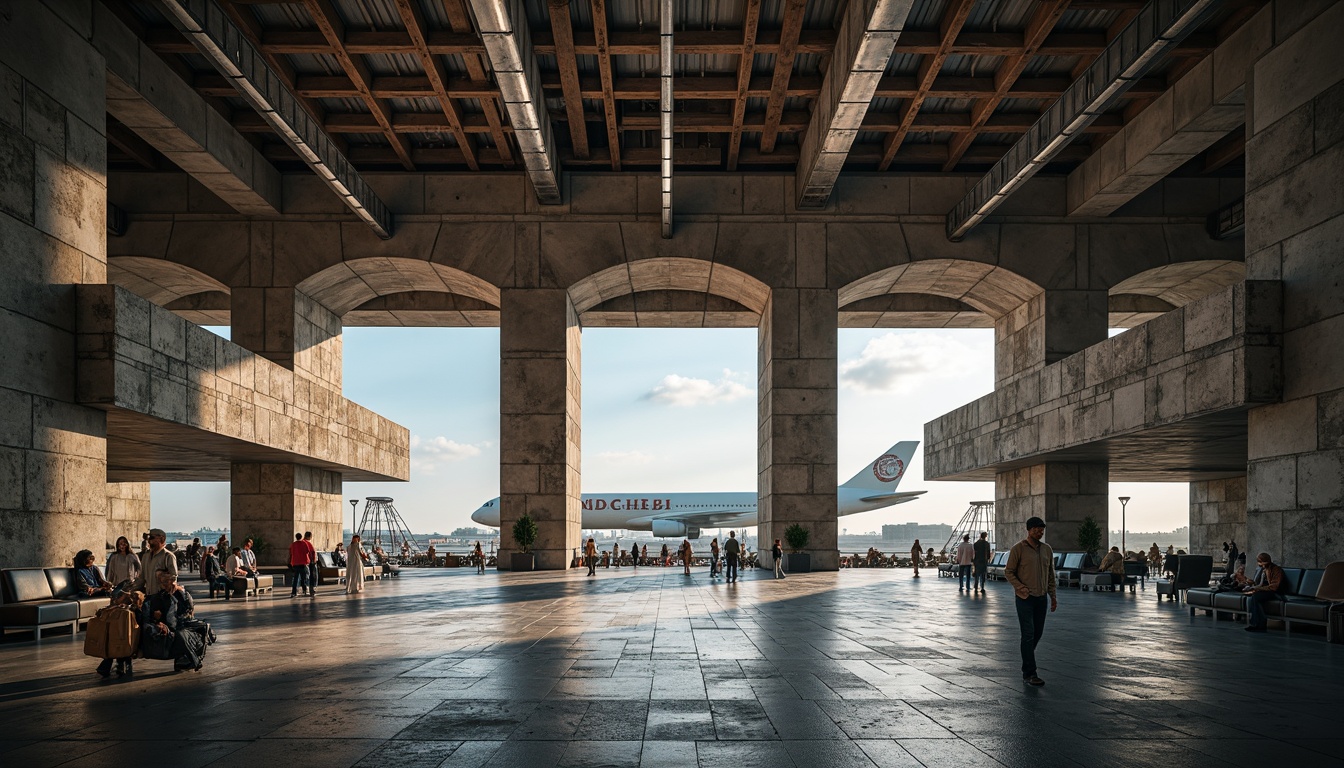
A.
pixel 183 403
pixel 1164 401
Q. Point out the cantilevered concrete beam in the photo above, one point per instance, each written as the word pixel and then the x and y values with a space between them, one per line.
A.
pixel 209 29
pixel 146 96
pixel 1203 107
pixel 1159 27
pixel 508 46
pixel 866 40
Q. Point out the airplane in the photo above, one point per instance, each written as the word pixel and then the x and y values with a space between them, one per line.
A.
pixel 673 515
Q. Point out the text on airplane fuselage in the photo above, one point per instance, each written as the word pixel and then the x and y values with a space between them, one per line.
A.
pixel 627 505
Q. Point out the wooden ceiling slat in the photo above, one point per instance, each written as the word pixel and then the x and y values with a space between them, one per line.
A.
pixel 460 21
pixel 742 88
pixel 794 11
pixel 602 42
pixel 568 63
pixel 413 18
pixel 949 28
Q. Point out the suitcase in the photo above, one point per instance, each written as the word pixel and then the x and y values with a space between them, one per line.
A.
pixel 113 633
pixel 95 637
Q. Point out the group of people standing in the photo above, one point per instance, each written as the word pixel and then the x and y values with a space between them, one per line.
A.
pixel 730 554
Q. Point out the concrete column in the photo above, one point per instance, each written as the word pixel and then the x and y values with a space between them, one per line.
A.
pixel 272 502
pixel 1294 232
pixel 1045 329
pixel 127 512
pixel 1217 514
pixel 539 415
pixel 797 425
pixel 53 218
pixel 1061 494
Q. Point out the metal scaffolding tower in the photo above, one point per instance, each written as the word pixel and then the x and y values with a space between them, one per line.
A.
pixel 979 518
pixel 382 524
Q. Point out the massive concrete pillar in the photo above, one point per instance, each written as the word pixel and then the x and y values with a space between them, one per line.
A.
pixel 53 218
pixel 797 421
pixel 539 409
pixel 127 512
pixel 1217 515
pixel 1047 328
pixel 275 501
pixel 1295 233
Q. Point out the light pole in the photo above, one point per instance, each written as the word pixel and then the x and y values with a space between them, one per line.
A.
pixel 1124 501
pixel 353 512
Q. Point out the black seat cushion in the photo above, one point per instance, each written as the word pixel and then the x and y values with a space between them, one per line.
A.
pixel 34 612
pixel 1229 601
pixel 1293 577
pixel 65 586
pixel 24 584
pixel 1311 581
pixel 1306 608
pixel 1200 596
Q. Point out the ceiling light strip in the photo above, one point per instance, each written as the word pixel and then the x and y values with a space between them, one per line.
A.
pixel 665 109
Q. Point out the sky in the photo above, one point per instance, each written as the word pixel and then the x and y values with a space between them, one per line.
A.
pixel 664 410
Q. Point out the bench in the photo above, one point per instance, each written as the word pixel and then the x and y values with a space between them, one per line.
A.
pixel 1069 567
pixel 328 572
pixel 31 606
pixel 995 570
pixel 1192 571
pixel 252 585
pixel 1298 604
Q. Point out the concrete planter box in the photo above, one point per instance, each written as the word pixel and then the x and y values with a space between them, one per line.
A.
pixel 798 562
pixel 519 561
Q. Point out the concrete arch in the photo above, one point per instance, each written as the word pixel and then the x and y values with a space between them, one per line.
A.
pixel 345 286
pixel 1181 283
pixel 158 280
pixel 993 290
pixel 669 274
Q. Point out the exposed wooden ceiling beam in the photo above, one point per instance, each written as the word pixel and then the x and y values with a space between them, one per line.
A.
pixel 413 18
pixel 751 19
pixel 568 64
pixel 460 21
pixel 1047 14
pixel 332 27
pixel 794 11
pixel 606 82
pixel 954 17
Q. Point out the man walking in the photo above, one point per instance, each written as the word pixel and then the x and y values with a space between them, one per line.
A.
pixel 312 563
pixel 1031 571
pixel 590 553
pixel 981 564
pixel 732 549
pixel 298 565
pixel 777 552
pixel 965 559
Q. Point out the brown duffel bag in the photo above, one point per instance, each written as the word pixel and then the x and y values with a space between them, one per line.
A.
pixel 114 633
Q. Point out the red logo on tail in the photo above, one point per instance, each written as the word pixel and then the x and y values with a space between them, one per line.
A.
pixel 889 468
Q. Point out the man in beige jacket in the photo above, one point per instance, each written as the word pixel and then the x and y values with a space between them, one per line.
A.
pixel 1031 572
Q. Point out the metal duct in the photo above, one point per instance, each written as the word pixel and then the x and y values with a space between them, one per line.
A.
pixel 1159 27
pixel 665 109
pixel 508 46
pixel 867 37
pixel 205 24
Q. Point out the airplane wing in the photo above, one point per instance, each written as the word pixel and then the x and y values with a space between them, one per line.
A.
pixel 895 498
pixel 702 518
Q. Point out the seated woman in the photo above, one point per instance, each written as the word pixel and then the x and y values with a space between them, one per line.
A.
pixel 1114 563
pixel 87 577
pixel 338 555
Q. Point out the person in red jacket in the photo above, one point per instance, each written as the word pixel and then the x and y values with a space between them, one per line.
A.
pixel 298 564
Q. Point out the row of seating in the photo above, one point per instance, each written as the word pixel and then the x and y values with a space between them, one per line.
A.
pixel 1308 598
pixel 35 599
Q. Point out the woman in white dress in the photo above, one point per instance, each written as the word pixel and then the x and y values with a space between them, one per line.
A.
pixel 354 567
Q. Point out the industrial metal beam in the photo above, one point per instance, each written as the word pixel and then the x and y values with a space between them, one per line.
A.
pixel 665 105
pixel 216 38
pixel 1158 29
pixel 508 46
pixel 868 34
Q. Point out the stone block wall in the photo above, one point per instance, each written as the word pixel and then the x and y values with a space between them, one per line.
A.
pixel 1217 515
pixel 272 502
pixel 1294 232
pixel 1061 494
pixel 127 512
pixel 291 329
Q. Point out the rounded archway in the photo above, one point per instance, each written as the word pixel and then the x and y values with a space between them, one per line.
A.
pixel 389 291
pixel 986 288
pixel 1142 297
pixel 669 292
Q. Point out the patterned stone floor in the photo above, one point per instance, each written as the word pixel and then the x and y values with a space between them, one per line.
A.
pixel 860 668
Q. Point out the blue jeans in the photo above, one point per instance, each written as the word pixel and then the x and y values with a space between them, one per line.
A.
pixel 300 578
pixel 1031 621
pixel 963 577
pixel 1256 603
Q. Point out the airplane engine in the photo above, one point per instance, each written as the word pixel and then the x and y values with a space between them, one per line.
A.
pixel 671 529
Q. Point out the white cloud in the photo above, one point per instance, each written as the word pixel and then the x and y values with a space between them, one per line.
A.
pixel 899 362
pixel 625 458
pixel 685 392
pixel 428 455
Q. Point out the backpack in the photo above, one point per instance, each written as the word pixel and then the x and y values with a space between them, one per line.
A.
pixel 114 633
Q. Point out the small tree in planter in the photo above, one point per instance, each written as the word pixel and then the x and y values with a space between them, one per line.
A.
pixel 524 535
pixel 1089 536
pixel 796 537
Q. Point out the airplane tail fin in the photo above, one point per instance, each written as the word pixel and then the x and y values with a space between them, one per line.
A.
pixel 885 472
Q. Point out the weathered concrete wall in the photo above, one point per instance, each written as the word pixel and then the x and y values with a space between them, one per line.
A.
pixel 1294 231
pixel 1214 355
pixel 127 512
pixel 797 407
pixel 1060 493
pixel 539 436
pixel 201 392
pixel 1217 515
pixel 272 502
pixel 1047 328
pixel 288 328
pixel 53 204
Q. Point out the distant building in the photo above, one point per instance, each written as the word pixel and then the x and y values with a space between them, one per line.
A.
pixel 462 533
pixel 929 535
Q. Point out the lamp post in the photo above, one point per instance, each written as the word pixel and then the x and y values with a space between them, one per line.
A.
pixel 353 512
pixel 1124 501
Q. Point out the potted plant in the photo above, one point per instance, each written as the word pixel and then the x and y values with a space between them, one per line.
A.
pixel 1089 537
pixel 797 561
pixel 524 535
